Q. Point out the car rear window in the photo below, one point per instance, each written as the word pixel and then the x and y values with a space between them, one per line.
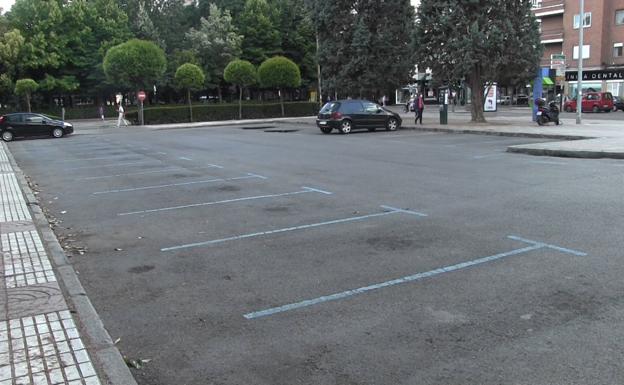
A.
pixel 330 107
pixel 15 118
pixel 351 108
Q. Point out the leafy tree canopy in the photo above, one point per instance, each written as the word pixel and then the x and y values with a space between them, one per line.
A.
pixel 279 72
pixel 240 72
pixel 478 41
pixel 189 77
pixel 136 63
pixel 25 87
pixel 261 37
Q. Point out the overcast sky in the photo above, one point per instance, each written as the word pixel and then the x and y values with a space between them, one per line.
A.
pixel 6 4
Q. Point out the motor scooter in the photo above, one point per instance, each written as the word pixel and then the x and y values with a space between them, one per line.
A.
pixel 548 114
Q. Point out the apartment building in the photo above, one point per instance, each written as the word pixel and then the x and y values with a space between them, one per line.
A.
pixel 603 42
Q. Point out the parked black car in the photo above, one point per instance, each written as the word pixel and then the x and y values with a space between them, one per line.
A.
pixel 348 115
pixel 618 103
pixel 23 124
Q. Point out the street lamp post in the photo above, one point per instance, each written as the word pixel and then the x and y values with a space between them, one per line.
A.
pixel 579 85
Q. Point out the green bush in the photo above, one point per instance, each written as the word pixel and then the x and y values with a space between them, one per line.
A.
pixel 75 113
pixel 205 113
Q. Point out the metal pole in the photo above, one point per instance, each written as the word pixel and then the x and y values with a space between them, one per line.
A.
pixel 579 85
pixel 318 69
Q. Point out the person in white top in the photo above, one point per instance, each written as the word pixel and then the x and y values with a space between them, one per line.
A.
pixel 121 116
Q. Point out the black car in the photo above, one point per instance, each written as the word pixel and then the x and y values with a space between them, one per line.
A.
pixel 23 124
pixel 348 115
pixel 618 103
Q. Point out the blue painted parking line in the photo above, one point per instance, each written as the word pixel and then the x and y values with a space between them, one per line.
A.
pixel 248 176
pixel 534 245
pixel 287 229
pixel 305 190
pixel 130 173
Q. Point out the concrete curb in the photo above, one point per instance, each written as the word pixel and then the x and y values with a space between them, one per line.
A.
pixel 224 123
pixel 499 133
pixel 105 354
pixel 566 153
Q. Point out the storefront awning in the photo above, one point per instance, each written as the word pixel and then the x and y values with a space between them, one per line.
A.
pixel 547 81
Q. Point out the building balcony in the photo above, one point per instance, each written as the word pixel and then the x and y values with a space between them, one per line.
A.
pixel 548 8
pixel 552 36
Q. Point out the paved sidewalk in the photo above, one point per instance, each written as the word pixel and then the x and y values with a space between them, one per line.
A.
pixel 49 332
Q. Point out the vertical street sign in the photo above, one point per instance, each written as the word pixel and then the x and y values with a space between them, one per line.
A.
pixel 141 96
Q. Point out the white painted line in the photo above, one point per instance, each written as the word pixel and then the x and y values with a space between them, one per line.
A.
pixel 390 208
pixel 317 190
pixel 307 190
pixel 162 153
pixel 173 185
pixel 214 165
pixel 409 278
pixel 185 158
pixel 109 165
pixel 130 173
pixel 287 229
pixel 542 244
pixel 257 176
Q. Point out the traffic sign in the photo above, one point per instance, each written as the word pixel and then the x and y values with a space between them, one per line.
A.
pixel 141 95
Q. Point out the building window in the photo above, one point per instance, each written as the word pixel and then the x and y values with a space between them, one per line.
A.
pixel 619 17
pixel 575 53
pixel 586 20
pixel 618 49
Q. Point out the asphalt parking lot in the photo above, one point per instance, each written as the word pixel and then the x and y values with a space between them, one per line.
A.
pixel 241 256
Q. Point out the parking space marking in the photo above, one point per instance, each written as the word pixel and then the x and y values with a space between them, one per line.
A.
pixel 129 173
pixel 248 176
pixel 257 176
pixel 317 190
pixel 534 245
pixel 389 211
pixel 304 191
pixel 488 155
pixel 185 158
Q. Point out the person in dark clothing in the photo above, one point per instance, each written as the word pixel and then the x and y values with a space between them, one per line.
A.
pixel 420 107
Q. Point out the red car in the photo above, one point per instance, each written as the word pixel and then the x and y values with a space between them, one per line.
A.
pixel 592 101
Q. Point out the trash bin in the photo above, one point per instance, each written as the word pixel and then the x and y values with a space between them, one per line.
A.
pixel 443 113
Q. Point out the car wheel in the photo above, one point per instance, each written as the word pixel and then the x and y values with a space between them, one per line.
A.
pixel 346 126
pixel 540 121
pixel 607 110
pixel 326 130
pixel 7 136
pixel 392 124
pixel 568 109
pixel 57 132
pixel 595 109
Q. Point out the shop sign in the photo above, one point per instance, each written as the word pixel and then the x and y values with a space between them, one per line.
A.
pixel 615 74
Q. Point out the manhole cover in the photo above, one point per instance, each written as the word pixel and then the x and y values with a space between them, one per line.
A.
pixel 256 127
pixel 283 130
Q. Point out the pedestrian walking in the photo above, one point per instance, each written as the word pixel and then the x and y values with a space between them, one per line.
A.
pixel 101 112
pixel 420 107
pixel 121 116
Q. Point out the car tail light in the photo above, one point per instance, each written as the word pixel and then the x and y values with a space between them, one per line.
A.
pixel 336 115
pixel 1 119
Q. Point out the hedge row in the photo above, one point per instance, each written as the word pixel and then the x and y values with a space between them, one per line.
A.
pixel 204 113
pixel 90 112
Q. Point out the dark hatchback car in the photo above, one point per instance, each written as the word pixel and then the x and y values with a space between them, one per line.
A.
pixel 348 115
pixel 22 124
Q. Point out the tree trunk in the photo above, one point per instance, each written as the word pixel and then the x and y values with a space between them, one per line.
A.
pixel 28 102
pixel 188 96
pixel 219 93
pixel 240 102
pixel 281 101
pixel 476 97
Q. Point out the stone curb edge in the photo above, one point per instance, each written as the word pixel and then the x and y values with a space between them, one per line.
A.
pixel 499 133
pixel 105 354
pixel 566 153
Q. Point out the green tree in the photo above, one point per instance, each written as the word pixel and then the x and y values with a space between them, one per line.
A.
pixel 279 72
pixel 478 41
pixel 135 64
pixel 25 88
pixel 243 74
pixel 261 37
pixel 189 77
pixel 216 43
